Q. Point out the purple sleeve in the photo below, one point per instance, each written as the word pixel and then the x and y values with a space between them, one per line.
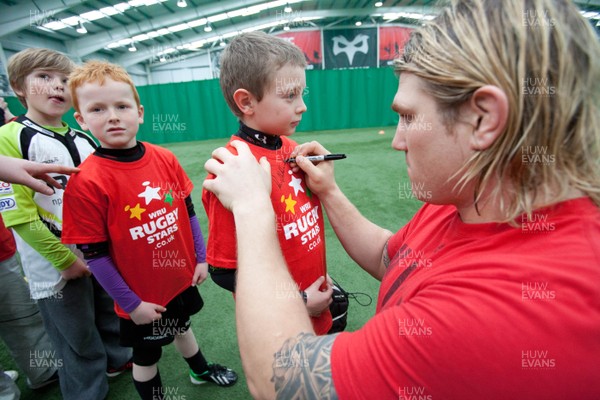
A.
pixel 107 274
pixel 198 240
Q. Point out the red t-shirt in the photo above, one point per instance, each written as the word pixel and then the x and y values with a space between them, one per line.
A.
pixel 485 311
pixel 139 208
pixel 8 247
pixel 300 225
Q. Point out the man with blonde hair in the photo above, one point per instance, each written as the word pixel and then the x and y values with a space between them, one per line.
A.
pixel 506 304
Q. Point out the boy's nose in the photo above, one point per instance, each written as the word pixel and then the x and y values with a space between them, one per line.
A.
pixel 112 115
pixel 59 84
pixel 301 107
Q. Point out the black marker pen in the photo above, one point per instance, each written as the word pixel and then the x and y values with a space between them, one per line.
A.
pixel 325 157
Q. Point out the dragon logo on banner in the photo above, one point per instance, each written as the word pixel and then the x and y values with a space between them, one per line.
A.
pixel 359 44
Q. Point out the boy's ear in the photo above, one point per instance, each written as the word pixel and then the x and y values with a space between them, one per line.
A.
pixel 244 101
pixel 19 91
pixel 488 108
pixel 80 121
pixel 141 114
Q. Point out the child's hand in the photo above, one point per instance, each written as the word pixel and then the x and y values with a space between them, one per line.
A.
pixel 24 172
pixel 318 300
pixel 200 274
pixel 77 270
pixel 146 313
pixel 7 114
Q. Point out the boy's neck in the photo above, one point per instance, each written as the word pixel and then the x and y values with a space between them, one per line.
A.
pixel 44 120
pixel 258 138
pixel 124 155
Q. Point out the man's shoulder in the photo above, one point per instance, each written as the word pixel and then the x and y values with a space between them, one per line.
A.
pixel 430 213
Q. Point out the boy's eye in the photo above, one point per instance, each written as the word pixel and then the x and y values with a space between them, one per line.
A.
pixel 292 94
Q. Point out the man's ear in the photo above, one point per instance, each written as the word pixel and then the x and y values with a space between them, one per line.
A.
pixel 245 101
pixel 80 121
pixel 488 108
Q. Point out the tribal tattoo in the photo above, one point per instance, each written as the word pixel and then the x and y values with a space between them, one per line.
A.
pixel 302 368
pixel 386 257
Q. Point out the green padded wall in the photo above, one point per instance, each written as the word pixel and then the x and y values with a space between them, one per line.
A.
pixel 186 111
pixel 353 98
pixel 336 99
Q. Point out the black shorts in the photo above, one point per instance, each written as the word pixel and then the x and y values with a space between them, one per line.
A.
pixel 224 277
pixel 174 321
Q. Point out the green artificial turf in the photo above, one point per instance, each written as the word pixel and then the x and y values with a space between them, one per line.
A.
pixel 374 179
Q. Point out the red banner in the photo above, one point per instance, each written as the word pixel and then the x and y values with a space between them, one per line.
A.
pixel 310 44
pixel 391 43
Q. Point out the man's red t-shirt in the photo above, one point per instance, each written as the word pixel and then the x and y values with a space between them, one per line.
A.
pixel 485 311
pixel 300 226
pixel 139 208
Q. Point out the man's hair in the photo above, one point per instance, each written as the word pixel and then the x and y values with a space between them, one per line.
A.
pixel 250 61
pixel 25 62
pixel 96 71
pixel 546 58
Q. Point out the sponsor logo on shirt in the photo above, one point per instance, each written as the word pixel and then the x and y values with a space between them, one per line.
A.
pixel 8 203
pixel 6 188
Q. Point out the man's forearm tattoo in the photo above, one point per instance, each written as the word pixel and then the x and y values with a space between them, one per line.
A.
pixel 386 257
pixel 302 368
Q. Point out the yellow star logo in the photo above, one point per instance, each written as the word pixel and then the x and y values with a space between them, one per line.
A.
pixel 289 203
pixel 136 212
